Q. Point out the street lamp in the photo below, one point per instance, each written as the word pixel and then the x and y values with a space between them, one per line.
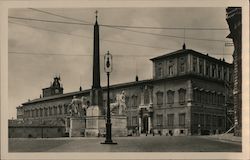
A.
pixel 108 70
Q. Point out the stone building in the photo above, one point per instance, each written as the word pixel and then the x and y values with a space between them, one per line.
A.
pixel 186 96
pixel 234 20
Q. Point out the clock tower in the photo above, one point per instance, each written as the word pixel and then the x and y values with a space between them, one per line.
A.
pixel 54 89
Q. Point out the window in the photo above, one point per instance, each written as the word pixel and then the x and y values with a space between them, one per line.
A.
pixel 41 112
pixel 219 72
pixel 210 98
pixel 182 95
pixel 171 68
pixel 201 66
pixel 182 67
pixel 220 121
pixel 37 112
pixel 134 101
pixel 159 70
pixel 213 71
pixel 201 120
pixel 206 96
pixel 208 120
pixel 207 69
pixel 214 121
pixel 134 121
pixel 55 110
pixel 170 95
pixel 182 119
pixel 50 111
pixel 182 64
pixel 214 98
pixel 127 101
pixel 66 109
pixel 159 98
pixel 46 112
pixel 33 113
pixel 170 120
pixel 198 95
pixel 225 74
pixel 159 119
pixel 146 96
pixel 194 64
pixel 60 109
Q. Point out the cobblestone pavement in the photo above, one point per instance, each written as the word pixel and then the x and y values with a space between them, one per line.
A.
pixel 125 144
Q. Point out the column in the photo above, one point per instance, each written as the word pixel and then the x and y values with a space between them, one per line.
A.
pixel 189 93
pixel 204 68
pixel 150 95
pixel 198 64
pixel 149 124
pixel 139 125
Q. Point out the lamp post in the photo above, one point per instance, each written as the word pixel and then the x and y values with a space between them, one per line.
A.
pixel 108 70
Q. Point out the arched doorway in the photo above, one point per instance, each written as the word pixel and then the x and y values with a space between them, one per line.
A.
pixel 145 124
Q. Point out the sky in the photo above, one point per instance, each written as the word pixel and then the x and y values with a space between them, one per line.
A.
pixel 40 50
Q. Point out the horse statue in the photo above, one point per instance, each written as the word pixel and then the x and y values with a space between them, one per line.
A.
pixel 119 107
pixel 78 106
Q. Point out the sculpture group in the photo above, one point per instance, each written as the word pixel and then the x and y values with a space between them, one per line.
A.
pixel 119 107
pixel 78 106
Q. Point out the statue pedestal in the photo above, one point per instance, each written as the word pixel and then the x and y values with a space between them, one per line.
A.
pixel 76 127
pixel 96 123
pixel 119 125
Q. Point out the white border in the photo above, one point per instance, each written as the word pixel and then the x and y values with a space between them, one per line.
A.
pixel 132 3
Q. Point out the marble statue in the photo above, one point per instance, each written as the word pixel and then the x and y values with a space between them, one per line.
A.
pixel 78 106
pixel 119 107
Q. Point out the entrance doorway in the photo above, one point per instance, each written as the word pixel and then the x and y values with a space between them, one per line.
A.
pixel 145 124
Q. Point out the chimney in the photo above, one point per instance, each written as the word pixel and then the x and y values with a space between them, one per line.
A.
pixel 136 78
pixel 184 46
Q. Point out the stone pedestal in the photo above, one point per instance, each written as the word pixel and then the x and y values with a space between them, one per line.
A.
pixel 95 126
pixel 77 127
pixel 119 125
pixel 96 123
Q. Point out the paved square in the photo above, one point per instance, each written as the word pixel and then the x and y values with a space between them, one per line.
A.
pixel 125 144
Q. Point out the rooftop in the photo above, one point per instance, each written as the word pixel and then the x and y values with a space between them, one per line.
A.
pixel 189 51
pixel 120 85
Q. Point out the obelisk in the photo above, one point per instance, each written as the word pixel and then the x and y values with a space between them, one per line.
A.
pixel 96 91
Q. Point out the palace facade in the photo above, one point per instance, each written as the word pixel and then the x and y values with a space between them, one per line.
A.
pixel 187 95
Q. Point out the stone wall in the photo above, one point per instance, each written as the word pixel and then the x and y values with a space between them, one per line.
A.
pixel 36 131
